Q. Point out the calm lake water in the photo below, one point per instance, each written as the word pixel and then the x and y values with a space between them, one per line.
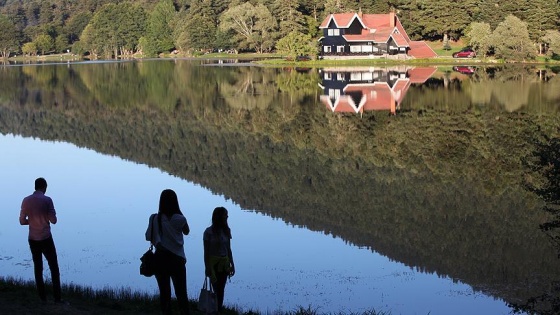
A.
pixel 398 189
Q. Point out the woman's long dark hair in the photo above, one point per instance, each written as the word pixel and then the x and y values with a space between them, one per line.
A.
pixel 168 203
pixel 218 223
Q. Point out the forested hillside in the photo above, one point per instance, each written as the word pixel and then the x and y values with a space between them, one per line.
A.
pixel 109 29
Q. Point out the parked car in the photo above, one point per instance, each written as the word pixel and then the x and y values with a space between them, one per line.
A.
pixel 465 53
pixel 464 69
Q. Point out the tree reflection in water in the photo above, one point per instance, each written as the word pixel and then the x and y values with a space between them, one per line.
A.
pixel 434 183
pixel 545 163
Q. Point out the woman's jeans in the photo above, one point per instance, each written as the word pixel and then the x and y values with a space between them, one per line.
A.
pixel 171 268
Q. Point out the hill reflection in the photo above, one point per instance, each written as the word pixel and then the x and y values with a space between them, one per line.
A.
pixel 439 189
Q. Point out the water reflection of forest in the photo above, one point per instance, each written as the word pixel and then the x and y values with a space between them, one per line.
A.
pixel 440 188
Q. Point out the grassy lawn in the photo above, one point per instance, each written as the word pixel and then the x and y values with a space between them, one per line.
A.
pixel 437 46
pixel 20 297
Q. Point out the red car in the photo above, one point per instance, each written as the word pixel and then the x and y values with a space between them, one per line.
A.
pixel 464 69
pixel 464 53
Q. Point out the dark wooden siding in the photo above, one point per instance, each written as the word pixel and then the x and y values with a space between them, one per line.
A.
pixel 355 28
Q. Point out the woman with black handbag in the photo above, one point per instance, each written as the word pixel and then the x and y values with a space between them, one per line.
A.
pixel 169 229
pixel 218 258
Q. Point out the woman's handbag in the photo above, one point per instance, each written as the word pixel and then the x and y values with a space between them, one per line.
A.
pixel 207 301
pixel 148 263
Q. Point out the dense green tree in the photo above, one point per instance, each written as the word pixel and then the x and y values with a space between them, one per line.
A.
pixel 31 32
pixel 312 8
pixel 410 15
pixel 89 42
pixel 493 12
pixel 478 37
pixel 511 40
pixel 29 49
pixel 78 48
pixel 44 43
pixel 46 12
pixel 61 43
pixel 366 6
pixel 131 26
pixel 202 25
pixel 552 41
pixel 224 41
pixel 31 10
pixel 422 19
pixel 114 29
pixel 312 26
pixel 51 29
pixel 219 6
pixel 159 30
pixel 541 15
pixel 180 32
pixel 296 44
pixel 8 37
pixel 253 27
pixel 76 24
pixel 443 19
pixel 288 17
pixel 336 6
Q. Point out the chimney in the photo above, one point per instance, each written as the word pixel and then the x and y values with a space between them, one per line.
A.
pixel 392 18
pixel 360 14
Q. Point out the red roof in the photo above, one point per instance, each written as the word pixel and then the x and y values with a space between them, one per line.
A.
pixel 421 74
pixel 420 49
pixel 341 20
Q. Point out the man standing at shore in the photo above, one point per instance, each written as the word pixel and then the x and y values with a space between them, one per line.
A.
pixel 37 211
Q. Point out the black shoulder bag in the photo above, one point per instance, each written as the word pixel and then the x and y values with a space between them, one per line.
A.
pixel 148 263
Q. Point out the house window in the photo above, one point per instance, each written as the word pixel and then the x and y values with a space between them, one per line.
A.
pixel 334 93
pixel 367 48
pixel 340 49
pixel 327 76
pixel 340 77
pixel 333 32
pixel 327 49
pixel 355 76
pixel 367 76
pixel 355 49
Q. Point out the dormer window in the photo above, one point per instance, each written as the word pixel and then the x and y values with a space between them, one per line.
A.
pixel 333 32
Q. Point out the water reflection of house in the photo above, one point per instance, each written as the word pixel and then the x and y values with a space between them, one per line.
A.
pixel 360 89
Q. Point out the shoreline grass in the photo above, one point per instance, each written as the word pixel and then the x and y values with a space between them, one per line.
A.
pixel 277 60
pixel 18 296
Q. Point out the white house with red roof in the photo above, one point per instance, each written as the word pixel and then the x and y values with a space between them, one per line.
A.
pixel 357 35
pixel 360 89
